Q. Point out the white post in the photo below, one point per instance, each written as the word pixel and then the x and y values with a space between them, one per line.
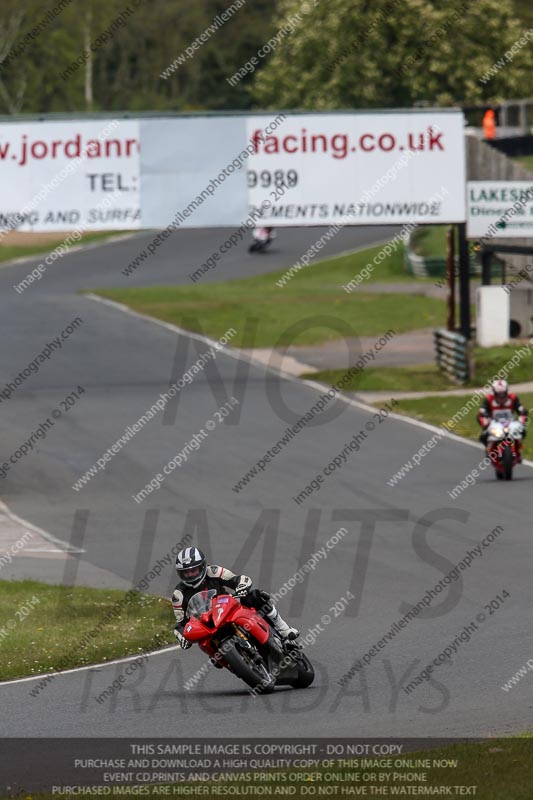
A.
pixel 492 316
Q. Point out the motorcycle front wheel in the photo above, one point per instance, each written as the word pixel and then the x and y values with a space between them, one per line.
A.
pixel 244 662
pixel 507 463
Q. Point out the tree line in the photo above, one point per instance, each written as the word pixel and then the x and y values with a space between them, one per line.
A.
pixel 196 55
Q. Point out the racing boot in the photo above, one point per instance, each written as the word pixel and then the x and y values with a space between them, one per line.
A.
pixel 279 624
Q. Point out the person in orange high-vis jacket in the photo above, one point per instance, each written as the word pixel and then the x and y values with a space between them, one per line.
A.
pixel 489 124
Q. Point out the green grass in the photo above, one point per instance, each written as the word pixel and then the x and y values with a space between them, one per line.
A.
pixel 8 252
pixel 392 268
pixel 423 377
pixel 430 241
pixel 438 410
pixel 426 377
pixel 500 769
pixel 314 292
pixel 525 161
pixel 489 360
pixel 55 625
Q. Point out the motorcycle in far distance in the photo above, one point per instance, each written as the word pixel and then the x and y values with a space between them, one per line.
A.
pixel 239 639
pixel 262 239
pixel 503 443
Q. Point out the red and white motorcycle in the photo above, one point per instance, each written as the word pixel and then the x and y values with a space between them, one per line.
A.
pixel 262 238
pixel 504 442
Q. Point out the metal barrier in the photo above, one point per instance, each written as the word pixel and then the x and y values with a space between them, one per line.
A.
pixel 454 355
pixel 425 267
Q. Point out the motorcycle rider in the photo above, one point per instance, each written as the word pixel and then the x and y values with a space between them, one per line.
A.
pixel 263 234
pixel 196 575
pixel 501 399
pixel 261 238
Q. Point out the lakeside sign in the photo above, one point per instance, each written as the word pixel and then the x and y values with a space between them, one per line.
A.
pixel 499 208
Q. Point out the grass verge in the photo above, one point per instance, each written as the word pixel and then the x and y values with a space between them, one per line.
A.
pixel 8 252
pixel 289 315
pixel 50 632
pixel 525 161
pixel 423 377
pixel 427 377
pixel 429 241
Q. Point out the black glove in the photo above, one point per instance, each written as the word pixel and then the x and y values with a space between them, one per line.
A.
pixel 243 587
pixel 182 641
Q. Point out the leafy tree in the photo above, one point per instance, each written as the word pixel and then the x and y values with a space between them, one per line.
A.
pixel 393 53
pixel 124 70
pixel 352 53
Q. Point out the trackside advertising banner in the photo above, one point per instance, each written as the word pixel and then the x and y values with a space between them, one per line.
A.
pixel 304 169
pixel 359 169
pixel 59 176
pixel 193 172
pixel 276 169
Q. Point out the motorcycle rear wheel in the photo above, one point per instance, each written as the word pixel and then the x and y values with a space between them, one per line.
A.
pixel 254 674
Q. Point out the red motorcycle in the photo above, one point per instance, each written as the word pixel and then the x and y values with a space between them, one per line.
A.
pixel 503 443
pixel 239 639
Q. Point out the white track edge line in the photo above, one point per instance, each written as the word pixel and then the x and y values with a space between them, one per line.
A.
pixel 65 547
pixel 123 660
pixel 288 376
pixel 75 249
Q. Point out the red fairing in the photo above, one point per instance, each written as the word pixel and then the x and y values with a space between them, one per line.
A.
pixel 195 630
pixel 225 609
pixel 252 622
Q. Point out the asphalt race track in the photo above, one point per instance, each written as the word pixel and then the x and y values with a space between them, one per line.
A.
pixel 400 540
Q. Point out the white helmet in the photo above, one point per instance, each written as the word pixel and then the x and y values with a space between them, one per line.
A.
pixel 191 566
pixel 500 390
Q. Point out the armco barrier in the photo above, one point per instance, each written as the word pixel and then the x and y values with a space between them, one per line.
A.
pixel 435 267
pixel 453 354
pixel 424 267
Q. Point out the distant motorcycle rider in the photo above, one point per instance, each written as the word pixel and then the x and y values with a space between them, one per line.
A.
pixel 196 575
pixel 501 399
pixel 262 237
pixel 264 234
